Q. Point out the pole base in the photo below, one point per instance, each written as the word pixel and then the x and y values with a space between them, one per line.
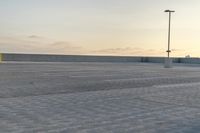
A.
pixel 168 63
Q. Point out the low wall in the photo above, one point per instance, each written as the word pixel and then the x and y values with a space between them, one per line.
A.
pixel 83 58
pixel 190 60
pixel 66 58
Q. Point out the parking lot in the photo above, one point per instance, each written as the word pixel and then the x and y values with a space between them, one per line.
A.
pixel 99 98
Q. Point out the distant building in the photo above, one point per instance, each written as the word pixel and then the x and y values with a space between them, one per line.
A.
pixel 187 56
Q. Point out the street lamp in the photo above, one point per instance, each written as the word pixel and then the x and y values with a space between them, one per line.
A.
pixel 169 31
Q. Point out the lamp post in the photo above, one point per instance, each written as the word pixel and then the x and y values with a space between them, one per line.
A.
pixel 169 32
pixel 168 61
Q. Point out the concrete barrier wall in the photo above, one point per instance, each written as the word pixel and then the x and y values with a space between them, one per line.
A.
pixel 190 60
pixel 156 59
pixel 159 59
pixel 83 58
pixel 67 58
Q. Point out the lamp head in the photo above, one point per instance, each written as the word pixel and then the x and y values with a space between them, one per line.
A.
pixel 169 11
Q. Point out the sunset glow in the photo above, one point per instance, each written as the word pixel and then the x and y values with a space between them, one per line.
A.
pixel 99 27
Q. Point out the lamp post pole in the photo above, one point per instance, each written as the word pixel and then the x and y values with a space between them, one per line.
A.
pixel 169 32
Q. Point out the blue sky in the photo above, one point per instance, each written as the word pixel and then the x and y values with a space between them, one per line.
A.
pixel 102 27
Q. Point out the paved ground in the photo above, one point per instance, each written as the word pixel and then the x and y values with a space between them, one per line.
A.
pixel 99 98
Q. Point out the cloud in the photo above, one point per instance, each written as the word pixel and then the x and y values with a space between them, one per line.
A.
pixel 135 51
pixel 129 51
pixel 35 37
pixel 39 45
pixel 65 48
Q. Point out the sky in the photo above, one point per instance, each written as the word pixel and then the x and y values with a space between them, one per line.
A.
pixel 99 27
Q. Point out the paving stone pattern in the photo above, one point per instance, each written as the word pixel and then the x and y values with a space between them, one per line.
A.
pixel 99 98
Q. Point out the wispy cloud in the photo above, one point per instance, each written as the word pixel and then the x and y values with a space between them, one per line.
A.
pixel 35 37
pixel 38 44
pixel 65 48
pixel 134 51
pixel 42 45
